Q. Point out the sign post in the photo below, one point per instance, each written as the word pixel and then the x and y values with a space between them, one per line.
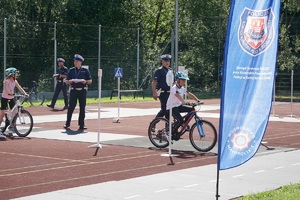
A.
pixel 98 145
pixel 170 80
pixel 118 72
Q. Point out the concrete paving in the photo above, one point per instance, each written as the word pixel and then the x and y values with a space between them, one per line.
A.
pixel 263 172
pixel 269 169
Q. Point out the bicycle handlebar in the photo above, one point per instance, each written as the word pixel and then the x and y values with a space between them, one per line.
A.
pixel 18 96
pixel 194 104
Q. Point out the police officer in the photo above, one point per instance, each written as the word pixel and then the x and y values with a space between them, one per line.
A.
pixel 60 84
pixel 78 78
pixel 160 88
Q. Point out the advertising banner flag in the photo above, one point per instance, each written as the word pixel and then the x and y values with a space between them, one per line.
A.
pixel 248 79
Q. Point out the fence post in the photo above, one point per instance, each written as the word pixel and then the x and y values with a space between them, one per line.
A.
pixel 55 53
pixel 292 94
pixel 4 52
pixel 176 36
pixel 138 59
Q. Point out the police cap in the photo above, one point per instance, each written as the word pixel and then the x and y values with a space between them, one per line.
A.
pixel 78 57
pixel 166 57
pixel 60 60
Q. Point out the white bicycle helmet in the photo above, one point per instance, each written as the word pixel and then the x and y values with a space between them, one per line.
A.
pixel 10 71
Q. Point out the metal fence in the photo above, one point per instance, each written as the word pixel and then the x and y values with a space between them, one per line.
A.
pixel 32 47
pixel 288 84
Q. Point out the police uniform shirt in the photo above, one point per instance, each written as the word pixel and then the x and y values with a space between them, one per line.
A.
pixel 161 75
pixel 63 71
pixel 81 73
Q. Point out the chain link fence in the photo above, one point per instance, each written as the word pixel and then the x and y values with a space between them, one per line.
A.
pixel 34 47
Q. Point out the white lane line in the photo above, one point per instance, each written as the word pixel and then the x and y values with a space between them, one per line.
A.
pixel 239 175
pixel 260 171
pixel 280 167
pixel 131 197
pixel 296 164
pixel 213 181
pixel 191 185
pixel 163 190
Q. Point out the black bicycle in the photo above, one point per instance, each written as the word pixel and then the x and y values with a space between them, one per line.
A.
pixel 202 134
pixel 35 98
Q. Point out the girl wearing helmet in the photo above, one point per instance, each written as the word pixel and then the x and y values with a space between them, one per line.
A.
pixel 177 103
pixel 7 98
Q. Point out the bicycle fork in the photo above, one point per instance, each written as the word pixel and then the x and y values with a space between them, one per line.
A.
pixel 199 128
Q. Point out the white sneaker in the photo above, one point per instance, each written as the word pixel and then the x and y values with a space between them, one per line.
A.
pixel 2 136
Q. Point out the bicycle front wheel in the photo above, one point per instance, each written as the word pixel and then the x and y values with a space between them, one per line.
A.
pixel 36 99
pixel 23 123
pixel 204 136
pixel 158 132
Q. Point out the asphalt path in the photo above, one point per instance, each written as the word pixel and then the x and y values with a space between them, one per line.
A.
pixel 53 163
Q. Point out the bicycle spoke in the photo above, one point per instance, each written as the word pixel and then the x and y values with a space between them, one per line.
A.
pixel 203 136
pixel 23 123
pixel 158 132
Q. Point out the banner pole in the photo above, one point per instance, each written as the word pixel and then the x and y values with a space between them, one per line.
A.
pixel 217 184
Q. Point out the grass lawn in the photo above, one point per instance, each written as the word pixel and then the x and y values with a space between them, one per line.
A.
pixel 287 192
pixel 125 98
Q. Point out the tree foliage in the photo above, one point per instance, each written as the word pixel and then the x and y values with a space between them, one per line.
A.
pixel 202 28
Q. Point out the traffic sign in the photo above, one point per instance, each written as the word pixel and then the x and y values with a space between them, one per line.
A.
pixel 118 72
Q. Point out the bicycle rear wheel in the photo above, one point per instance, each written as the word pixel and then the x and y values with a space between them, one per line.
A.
pixel 204 137
pixel 158 132
pixel 36 99
pixel 23 123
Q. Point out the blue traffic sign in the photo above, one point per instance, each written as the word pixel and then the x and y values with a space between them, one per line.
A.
pixel 118 73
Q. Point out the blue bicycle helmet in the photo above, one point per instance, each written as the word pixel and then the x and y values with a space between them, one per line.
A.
pixel 10 71
pixel 181 75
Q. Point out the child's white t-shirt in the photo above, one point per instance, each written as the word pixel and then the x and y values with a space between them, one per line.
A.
pixel 173 101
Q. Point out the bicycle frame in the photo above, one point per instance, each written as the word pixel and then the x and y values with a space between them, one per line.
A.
pixel 187 118
pixel 15 110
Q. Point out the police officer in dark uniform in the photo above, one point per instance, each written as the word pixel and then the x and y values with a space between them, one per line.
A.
pixel 78 78
pixel 160 88
pixel 60 84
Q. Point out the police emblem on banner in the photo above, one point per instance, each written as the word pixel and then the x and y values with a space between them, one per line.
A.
pixel 241 141
pixel 256 30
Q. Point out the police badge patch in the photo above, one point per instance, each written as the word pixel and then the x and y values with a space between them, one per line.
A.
pixel 256 30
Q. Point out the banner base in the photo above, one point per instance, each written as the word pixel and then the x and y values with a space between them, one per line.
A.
pixel 116 120
pixel 96 146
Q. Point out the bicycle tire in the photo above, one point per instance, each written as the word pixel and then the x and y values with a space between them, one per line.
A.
pixel 158 132
pixel 23 123
pixel 36 99
pixel 206 142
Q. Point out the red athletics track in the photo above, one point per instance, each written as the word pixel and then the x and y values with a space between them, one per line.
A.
pixel 31 166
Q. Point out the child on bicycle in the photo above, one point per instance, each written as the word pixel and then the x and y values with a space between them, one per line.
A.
pixel 7 98
pixel 177 103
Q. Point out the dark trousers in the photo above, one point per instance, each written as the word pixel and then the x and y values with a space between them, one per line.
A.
pixel 163 98
pixel 81 96
pixel 60 86
pixel 178 118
